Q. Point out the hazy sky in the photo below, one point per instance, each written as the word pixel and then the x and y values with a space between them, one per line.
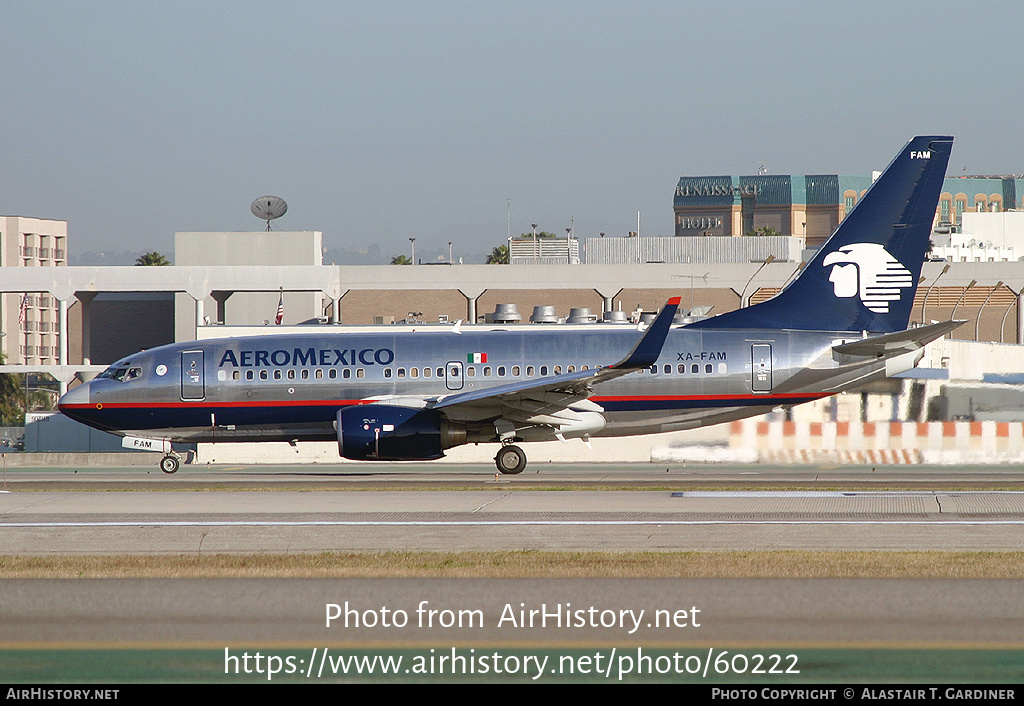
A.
pixel 380 121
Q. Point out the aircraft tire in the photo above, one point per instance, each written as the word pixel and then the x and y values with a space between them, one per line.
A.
pixel 169 464
pixel 510 460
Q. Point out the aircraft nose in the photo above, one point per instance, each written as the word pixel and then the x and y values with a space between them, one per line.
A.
pixel 73 398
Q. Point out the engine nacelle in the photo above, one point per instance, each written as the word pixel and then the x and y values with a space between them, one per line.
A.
pixel 377 432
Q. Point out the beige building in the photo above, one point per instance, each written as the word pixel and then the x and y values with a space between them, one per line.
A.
pixel 29 321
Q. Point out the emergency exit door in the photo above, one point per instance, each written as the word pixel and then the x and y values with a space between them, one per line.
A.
pixel 453 375
pixel 761 367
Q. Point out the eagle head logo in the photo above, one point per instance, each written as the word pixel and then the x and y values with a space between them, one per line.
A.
pixel 867 270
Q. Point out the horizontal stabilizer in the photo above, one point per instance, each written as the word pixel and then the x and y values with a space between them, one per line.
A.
pixel 896 343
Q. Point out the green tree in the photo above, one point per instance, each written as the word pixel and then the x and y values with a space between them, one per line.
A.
pixel 763 230
pixel 15 400
pixel 400 260
pixel 12 401
pixel 498 256
pixel 540 234
pixel 151 259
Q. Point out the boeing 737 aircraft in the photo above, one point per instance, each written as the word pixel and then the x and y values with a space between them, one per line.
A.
pixel 395 395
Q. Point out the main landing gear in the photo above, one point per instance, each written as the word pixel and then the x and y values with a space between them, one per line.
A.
pixel 510 460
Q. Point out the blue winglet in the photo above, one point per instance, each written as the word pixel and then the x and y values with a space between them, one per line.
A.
pixel 648 348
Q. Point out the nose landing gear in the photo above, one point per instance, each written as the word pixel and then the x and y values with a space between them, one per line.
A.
pixel 169 463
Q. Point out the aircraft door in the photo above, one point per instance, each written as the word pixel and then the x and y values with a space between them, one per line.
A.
pixel 761 367
pixel 193 383
pixel 453 375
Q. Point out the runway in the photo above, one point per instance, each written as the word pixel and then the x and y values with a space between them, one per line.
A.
pixel 433 475
pixel 503 516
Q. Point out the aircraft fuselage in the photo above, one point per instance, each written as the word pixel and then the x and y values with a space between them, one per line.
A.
pixel 290 387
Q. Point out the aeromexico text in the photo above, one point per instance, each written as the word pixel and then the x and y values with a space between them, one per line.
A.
pixel 307 356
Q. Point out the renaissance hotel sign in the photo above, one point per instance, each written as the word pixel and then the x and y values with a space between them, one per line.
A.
pixel 703 190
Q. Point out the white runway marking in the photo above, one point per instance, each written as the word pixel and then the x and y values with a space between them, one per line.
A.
pixel 499 523
pixel 837 493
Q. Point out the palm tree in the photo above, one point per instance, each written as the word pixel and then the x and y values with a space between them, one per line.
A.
pixel 12 400
pixel 151 259
pixel 498 256
pixel 400 260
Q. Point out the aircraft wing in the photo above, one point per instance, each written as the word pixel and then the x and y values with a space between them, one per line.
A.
pixel 891 344
pixel 558 392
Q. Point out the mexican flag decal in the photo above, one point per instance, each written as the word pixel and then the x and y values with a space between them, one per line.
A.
pixel 476 358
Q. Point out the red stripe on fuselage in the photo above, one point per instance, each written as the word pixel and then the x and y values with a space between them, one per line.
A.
pixel 347 403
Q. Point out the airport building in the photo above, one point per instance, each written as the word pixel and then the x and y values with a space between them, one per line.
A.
pixel 249 249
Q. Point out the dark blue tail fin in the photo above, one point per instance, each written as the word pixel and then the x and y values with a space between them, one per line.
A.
pixel 864 277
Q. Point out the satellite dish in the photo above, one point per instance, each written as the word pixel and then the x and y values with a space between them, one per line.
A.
pixel 267 208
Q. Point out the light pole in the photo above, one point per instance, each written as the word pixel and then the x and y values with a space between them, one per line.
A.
pixel 1003 322
pixel 743 294
pixel 450 262
pixel 534 243
pixel 966 289
pixel 924 302
pixel 412 241
pixel 977 321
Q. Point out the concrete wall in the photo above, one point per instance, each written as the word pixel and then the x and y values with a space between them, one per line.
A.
pixel 255 248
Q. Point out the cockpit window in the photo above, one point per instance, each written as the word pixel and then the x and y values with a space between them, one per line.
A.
pixel 121 373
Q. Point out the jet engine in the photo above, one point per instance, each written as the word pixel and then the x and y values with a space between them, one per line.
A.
pixel 377 432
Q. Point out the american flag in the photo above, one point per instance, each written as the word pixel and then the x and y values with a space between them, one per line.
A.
pixel 280 310
pixel 23 311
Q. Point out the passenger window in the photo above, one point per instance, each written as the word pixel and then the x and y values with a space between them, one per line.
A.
pixel 571 369
pixel 501 371
pixel 263 375
pixel 387 372
pixel 319 374
pixel 332 373
pixel 543 371
pixel 360 373
pixel 708 368
pixel 249 375
pixel 471 371
pixel 426 372
pixel 654 369
pixel 694 368
pixel 305 375
pixel 558 370
pixel 529 371
pixel 668 368
pixel 487 371
pixel 515 371
pixel 277 375
pixel 291 374
pixel 681 369
pixel 346 373
pixel 236 375
pixel 414 372
pixel 440 372
pixel 401 372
